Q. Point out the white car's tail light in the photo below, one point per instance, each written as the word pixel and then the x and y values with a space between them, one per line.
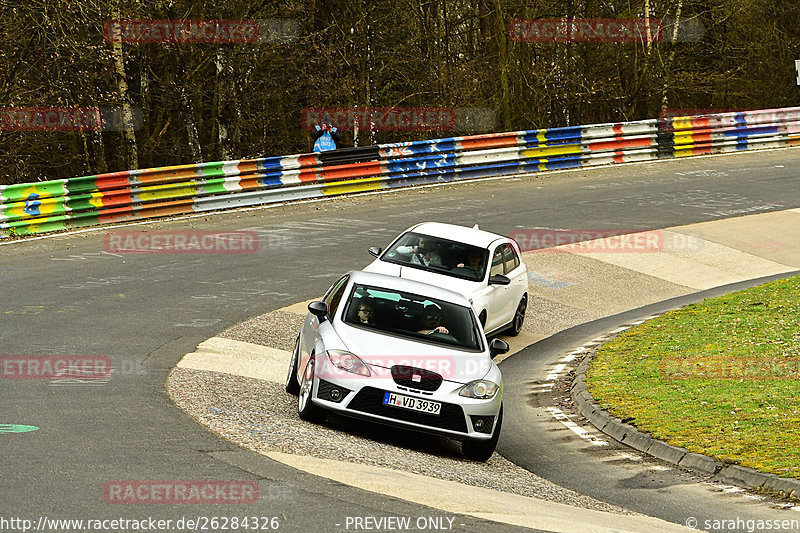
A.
pixel 348 362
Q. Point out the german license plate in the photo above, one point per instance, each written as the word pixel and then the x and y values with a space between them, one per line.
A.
pixel 412 404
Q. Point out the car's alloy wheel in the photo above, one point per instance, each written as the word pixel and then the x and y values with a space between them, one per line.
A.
pixel 482 450
pixel 292 387
pixel 519 318
pixel 305 407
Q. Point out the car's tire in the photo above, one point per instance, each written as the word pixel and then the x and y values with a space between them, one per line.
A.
pixel 519 318
pixel 292 386
pixel 306 408
pixel 482 450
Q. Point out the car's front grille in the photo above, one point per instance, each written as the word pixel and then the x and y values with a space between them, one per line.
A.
pixel 370 400
pixel 416 378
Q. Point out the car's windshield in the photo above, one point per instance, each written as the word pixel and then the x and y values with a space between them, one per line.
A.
pixel 410 315
pixel 438 255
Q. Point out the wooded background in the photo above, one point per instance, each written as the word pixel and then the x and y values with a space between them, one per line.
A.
pixel 212 102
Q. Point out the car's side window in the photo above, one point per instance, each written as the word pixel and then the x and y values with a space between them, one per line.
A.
pixel 510 258
pixel 335 296
pixel 497 261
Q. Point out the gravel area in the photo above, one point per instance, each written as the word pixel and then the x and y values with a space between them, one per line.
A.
pixel 277 329
pixel 260 416
pixel 546 317
pixel 588 288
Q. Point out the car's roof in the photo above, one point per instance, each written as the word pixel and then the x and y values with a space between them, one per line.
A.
pixel 386 281
pixel 475 237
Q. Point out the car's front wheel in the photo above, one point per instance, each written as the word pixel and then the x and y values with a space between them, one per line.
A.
pixel 519 318
pixel 305 407
pixel 482 450
pixel 292 387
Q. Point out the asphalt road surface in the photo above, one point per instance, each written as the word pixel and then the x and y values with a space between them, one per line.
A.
pixel 68 296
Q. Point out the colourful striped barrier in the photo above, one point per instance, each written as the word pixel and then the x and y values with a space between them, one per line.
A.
pixel 31 208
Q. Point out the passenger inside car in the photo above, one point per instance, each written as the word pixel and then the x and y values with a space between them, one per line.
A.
pixel 474 262
pixel 366 311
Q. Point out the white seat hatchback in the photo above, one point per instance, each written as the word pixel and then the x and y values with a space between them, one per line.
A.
pixel 401 353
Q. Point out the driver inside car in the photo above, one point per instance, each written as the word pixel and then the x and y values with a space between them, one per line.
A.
pixel 423 253
pixel 431 322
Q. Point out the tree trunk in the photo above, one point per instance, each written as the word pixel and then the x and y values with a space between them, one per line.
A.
pixel 649 35
pixel 483 20
pixel 220 106
pixel 671 57
pixel 122 87
pixel 501 42
pixel 99 150
pixel 192 137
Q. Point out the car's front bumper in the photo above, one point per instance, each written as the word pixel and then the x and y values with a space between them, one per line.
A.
pixel 364 399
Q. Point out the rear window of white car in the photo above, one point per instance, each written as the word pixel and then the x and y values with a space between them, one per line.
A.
pixel 442 256
pixel 410 315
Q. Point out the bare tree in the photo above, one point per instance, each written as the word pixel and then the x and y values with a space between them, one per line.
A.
pixel 122 88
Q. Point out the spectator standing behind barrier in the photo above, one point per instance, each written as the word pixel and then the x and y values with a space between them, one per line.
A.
pixel 325 137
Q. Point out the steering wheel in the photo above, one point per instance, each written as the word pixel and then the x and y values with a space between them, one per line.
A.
pixel 443 336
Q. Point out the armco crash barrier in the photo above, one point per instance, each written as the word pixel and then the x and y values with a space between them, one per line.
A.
pixel 31 208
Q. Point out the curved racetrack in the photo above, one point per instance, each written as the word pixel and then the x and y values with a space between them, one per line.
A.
pixel 66 295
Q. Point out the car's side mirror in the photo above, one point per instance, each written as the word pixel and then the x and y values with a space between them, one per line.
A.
pixel 318 309
pixel 499 279
pixel 498 347
pixel 375 250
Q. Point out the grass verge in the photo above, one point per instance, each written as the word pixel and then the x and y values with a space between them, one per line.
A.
pixel 721 377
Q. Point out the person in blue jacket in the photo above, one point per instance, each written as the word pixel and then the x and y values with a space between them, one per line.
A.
pixel 325 137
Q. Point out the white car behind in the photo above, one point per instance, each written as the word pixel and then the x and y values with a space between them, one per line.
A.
pixel 496 284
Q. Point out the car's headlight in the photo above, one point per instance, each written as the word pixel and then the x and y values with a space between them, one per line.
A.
pixel 480 389
pixel 348 362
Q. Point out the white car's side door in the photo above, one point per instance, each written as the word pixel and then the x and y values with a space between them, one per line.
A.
pixel 517 273
pixel 496 304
